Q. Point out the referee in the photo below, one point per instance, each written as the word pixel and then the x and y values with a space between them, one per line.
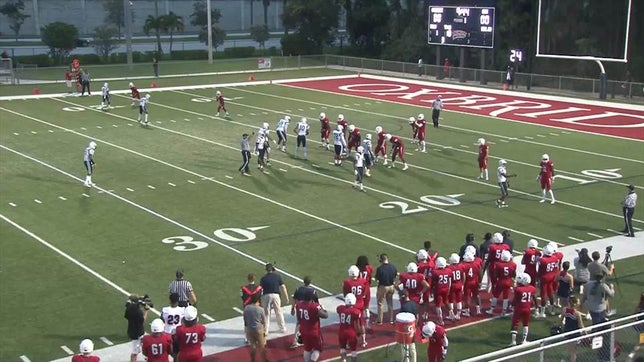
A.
pixel 184 289
pixel 245 151
pixel 437 107
pixel 628 209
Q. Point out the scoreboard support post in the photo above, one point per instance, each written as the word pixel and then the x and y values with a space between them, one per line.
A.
pixel 439 73
pixel 482 78
pixel 461 73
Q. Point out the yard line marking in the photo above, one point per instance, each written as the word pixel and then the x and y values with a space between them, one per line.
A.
pixel 238 310
pixel 423 168
pixel 12 204
pixel 171 184
pixel 191 182
pixel 62 198
pixel 208 317
pixel 106 341
pixel 84 194
pixel 67 350
pixel 540 135
pixel 24 358
pixel 152 187
pixel 615 231
pixel 575 239
pixel 169 220
pixel 37 201
pixel 595 235
pixel 129 189
pixel 228 177
pixel 70 258
pixel 283 170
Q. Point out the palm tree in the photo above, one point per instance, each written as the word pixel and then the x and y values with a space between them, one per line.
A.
pixel 156 24
pixel 171 23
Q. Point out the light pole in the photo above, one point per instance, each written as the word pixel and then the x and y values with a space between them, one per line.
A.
pixel 209 16
pixel 128 32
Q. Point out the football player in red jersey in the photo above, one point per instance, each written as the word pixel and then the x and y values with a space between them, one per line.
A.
pixel 325 130
pixel 471 269
pixel 85 355
pixel 531 260
pixel 358 287
pixel 157 347
pixel 397 149
pixel 484 150
pixel 414 129
pixel 221 104
pixel 441 279
pixel 456 287
pixel 438 342
pixel 190 335
pixel 421 125
pixel 413 282
pixel 425 267
pixel 494 255
pixel 366 272
pixel 308 316
pixel 559 257
pixel 548 272
pixel 504 270
pixel 546 177
pixel 524 298
pixel 381 145
pixel 355 139
pixel 350 327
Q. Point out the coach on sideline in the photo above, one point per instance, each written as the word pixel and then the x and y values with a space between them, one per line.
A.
pixel 184 289
pixel 386 274
pixel 272 285
pixel 628 208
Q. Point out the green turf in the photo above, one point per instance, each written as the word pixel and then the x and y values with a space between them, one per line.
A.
pixel 178 181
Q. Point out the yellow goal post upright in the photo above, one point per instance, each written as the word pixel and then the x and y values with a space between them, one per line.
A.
pixel 603 82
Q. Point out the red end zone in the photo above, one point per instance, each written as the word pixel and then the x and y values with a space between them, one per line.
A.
pixel 590 116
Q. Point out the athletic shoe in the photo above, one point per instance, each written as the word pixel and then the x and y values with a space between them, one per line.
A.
pixel 498 203
pixel 217 115
pixel 542 201
pixel 405 167
pixel 296 345
pixel 552 202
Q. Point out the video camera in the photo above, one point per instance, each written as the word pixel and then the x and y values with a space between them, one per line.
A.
pixel 609 249
pixel 142 301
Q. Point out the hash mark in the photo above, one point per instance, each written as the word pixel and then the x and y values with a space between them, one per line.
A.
pixel 84 129
pixel 528 137
pixel 208 317
pixel 238 310
pixel 540 135
pixel 62 198
pixel 99 127
pixel 115 126
pixel 252 114
pixel 12 204
pixel 67 350
pixel 50 131
pixel 106 341
pixel 575 239
pixel 191 182
pixel 24 358
pixel 554 134
pixel 229 177
pixel 37 201
pixel 171 184
pixel 129 189
pixel 595 235
pixel 151 187
pixel 84 194
pixel 16 133
pixel 34 132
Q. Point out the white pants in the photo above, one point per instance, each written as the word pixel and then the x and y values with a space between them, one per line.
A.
pixel 408 352
pixel 273 301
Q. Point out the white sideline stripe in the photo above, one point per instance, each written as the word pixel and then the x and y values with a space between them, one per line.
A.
pixel 211 319
pixel 67 350
pixel 238 310
pixel 68 257
pixel 106 341
pixel 154 213
pixel 595 235
pixel 575 239
pixel 24 358
pixel 456 128
pixel 420 167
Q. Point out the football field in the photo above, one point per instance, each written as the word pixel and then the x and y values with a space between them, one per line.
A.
pixel 169 196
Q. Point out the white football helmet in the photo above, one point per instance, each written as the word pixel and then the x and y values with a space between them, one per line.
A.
pixel 545 157
pixel 532 243
pixel 421 116
pixel 470 249
pixel 92 145
pixel 468 257
pixel 481 141
pixel 441 263
pixel 524 279
pixel 86 346
pixel 412 119
pixel 422 254
pixel 341 117
pixel 454 258
pixel 130 85
pixel 354 272
pixel 105 84
pixel 497 238
pixel 148 96
pixel 190 313
pixel 218 93
pixel 351 128
pixel 303 120
pixel 388 136
pixel 322 115
pixel 340 128
pixel 506 255
pixel 502 162
pixel 547 250
pixel 368 136
pixel 265 125
pixel 360 149
pixel 378 129
pixel 554 246
pixel 412 268
pixel 287 118
pixel 350 299
pixel 428 329
pixel 157 326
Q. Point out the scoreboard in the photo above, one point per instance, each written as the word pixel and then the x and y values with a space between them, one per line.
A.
pixel 461 26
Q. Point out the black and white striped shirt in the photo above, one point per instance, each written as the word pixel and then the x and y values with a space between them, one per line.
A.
pixel 630 200
pixel 181 287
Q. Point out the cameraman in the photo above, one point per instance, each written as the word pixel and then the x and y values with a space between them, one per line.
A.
pixel 136 310
pixel 595 267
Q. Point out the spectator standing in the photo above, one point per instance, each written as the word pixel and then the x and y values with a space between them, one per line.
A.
pixel 420 66
pixel 255 327
pixel 582 275
pixel 272 285
pixel 596 294
pixel 155 67
pixel 184 289
pixel 386 274
pixel 84 77
pixel 469 241
pixel 85 355
pixel 628 209
pixel 572 321
pixel 446 67
pixel 437 107
pixel 245 151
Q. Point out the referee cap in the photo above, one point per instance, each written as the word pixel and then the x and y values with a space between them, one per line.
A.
pixel 631 187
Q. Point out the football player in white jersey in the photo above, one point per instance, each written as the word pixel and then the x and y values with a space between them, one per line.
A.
pixel 339 144
pixel 88 161
pixel 369 157
pixel 358 168
pixel 106 101
pixel 504 184
pixel 262 133
pixel 172 316
pixel 143 110
pixel 301 130
pixel 262 146
pixel 282 130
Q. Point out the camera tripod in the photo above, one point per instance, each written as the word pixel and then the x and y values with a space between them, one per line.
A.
pixel 608 260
